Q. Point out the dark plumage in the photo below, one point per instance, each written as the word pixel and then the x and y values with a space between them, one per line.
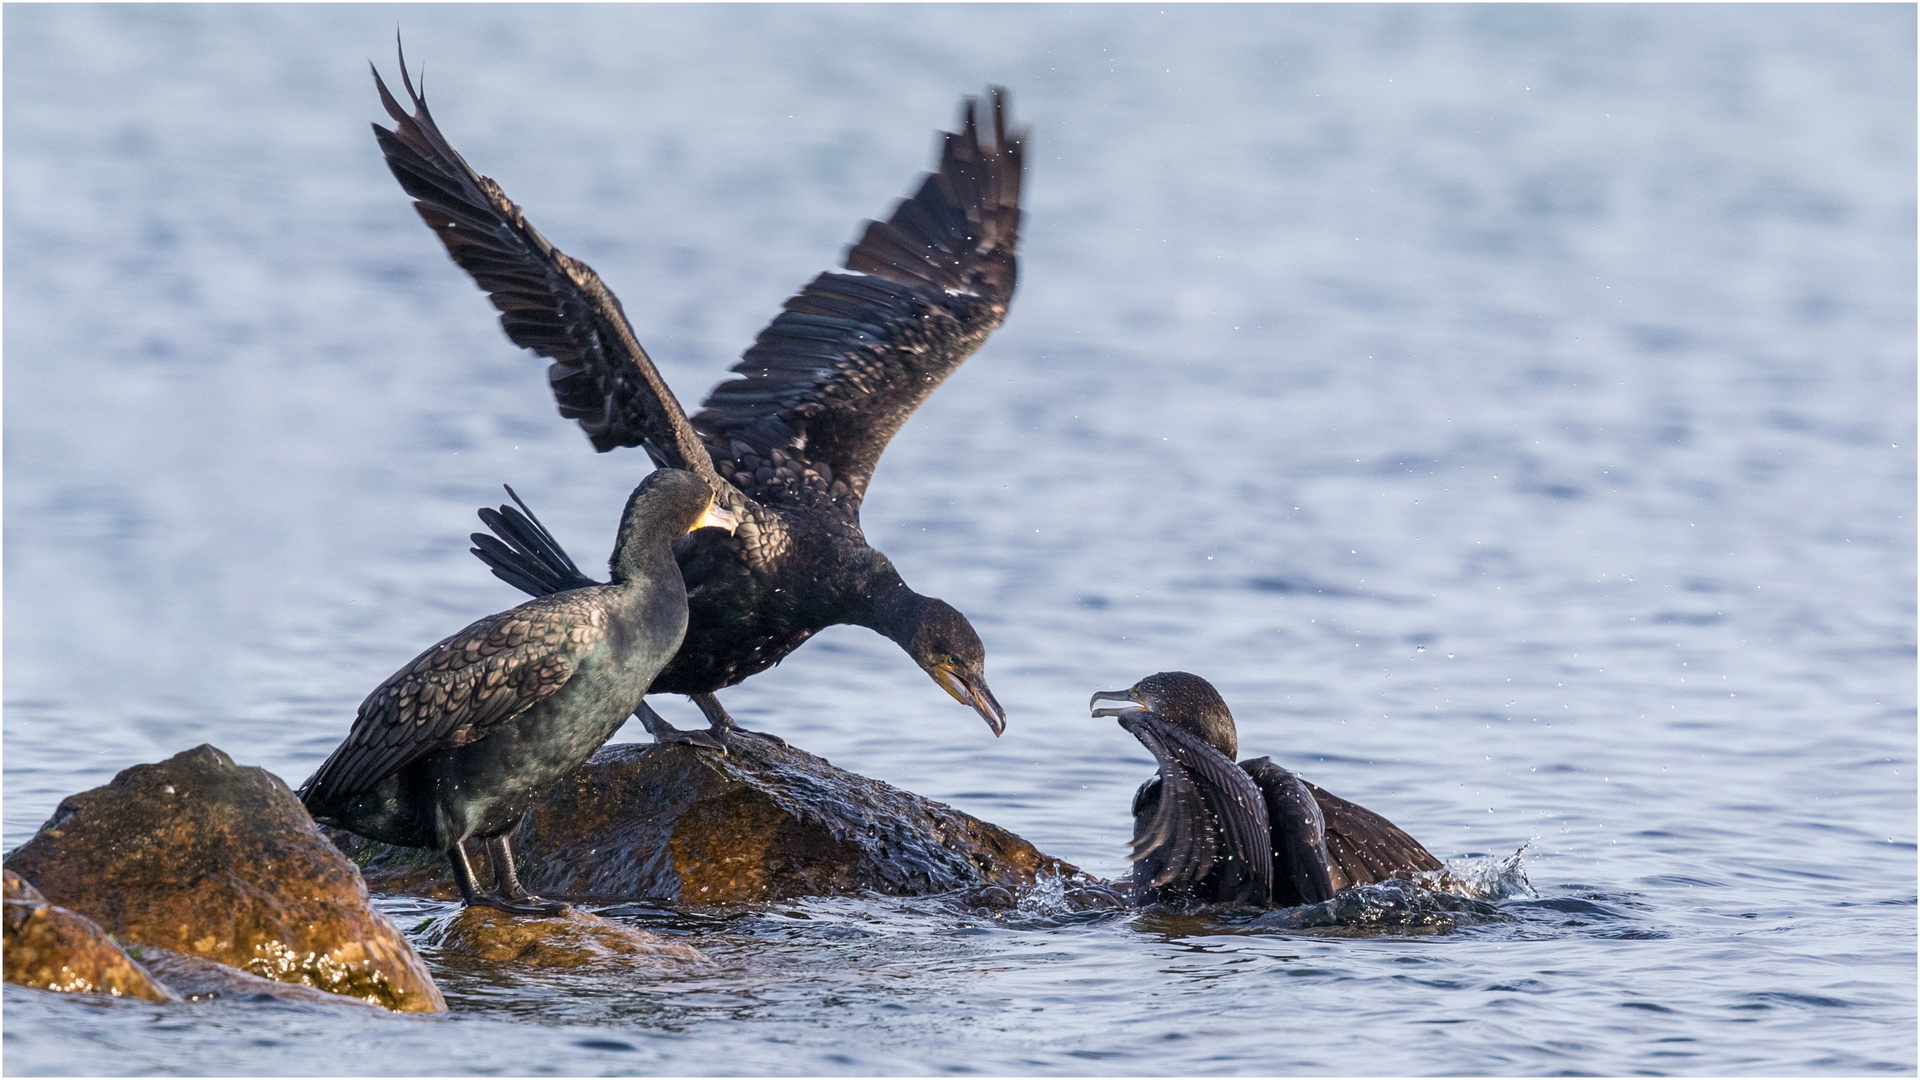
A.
pixel 789 444
pixel 457 743
pixel 1207 831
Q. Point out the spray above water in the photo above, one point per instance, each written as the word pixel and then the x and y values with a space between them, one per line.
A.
pixel 1481 877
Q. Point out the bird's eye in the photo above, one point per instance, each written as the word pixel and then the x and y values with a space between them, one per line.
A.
pixel 952 659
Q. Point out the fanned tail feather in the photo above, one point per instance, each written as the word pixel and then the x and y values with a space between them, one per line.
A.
pixel 525 555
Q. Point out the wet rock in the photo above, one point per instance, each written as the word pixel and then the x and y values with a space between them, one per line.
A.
pixel 198 979
pixel 991 898
pixel 574 940
pixel 201 856
pixel 19 888
pixel 52 948
pixel 764 822
pixel 401 871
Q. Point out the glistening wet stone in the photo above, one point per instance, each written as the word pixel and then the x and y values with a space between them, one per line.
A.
pixel 202 856
pixel 51 948
pixel 763 822
pixel 565 942
pixel 199 979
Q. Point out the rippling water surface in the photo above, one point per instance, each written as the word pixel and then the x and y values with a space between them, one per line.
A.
pixel 1510 409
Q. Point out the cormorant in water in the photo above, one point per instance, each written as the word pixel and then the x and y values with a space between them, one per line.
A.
pixel 457 743
pixel 1208 831
pixel 789 444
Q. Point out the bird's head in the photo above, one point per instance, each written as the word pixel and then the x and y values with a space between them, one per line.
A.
pixel 944 644
pixel 668 504
pixel 1183 700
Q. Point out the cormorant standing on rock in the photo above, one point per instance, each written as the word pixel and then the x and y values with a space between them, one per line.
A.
pixel 1208 831
pixel 457 743
pixel 789 444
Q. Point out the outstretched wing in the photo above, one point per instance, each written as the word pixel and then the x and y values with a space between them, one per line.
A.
pixel 828 383
pixel 1364 847
pixel 1173 835
pixel 548 302
pixel 1302 868
pixel 459 690
pixel 1208 810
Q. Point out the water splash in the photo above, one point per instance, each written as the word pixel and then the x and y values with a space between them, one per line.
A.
pixel 1046 896
pixel 1394 903
pixel 1459 893
pixel 1481 877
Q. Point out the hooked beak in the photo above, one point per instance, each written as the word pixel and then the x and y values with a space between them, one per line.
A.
pixel 717 517
pixel 975 695
pixel 1133 705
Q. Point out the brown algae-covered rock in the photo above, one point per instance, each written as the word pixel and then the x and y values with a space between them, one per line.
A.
pixel 763 822
pixel 574 940
pixel 51 948
pixel 19 888
pixel 212 859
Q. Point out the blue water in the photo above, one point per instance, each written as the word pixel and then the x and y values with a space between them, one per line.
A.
pixel 1511 409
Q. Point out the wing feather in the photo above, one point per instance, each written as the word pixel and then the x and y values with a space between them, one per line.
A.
pixel 457 691
pixel 1365 847
pixel 1178 841
pixel 548 302
pixel 830 381
pixel 1209 811
pixel 1302 868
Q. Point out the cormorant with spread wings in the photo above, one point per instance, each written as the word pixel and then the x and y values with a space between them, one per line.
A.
pixel 1208 831
pixel 789 443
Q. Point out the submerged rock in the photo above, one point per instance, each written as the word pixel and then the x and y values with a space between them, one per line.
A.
pixel 764 822
pixel 52 948
pixel 201 856
pixel 576 939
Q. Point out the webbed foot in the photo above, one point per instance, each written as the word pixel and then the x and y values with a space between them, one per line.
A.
pixel 722 726
pixel 733 732
pixel 706 740
pixel 664 732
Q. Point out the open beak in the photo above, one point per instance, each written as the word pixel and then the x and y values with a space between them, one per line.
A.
pixel 972 694
pixel 1133 705
pixel 717 517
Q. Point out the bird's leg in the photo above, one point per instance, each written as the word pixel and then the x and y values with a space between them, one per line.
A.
pixel 722 725
pixel 664 732
pixel 506 879
pixel 471 895
pixel 506 876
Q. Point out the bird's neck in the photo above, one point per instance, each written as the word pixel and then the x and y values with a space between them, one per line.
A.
pixel 638 553
pixel 1220 732
pixel 887 605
